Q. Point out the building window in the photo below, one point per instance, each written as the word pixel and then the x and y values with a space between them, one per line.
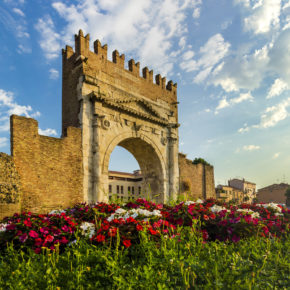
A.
pixel 122 189
pixel 110 188
pixel 139 189
pixel 133 190
pixel 118 189
pixel 129 189
pixel 110 197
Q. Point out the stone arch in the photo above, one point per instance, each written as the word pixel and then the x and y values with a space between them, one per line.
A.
pixel 149 158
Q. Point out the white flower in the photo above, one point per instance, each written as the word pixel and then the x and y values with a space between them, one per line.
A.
pixel 88 229
pixel 72 242
pixel 3 227
pixel 189 202
pixel 272 205
pixel 217 208
pixel 253 214
pixel 278 214
pixel 199 201
pixel 120 211
pixel 57 211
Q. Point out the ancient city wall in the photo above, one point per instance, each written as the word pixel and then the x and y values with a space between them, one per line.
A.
pixel 196 180
pixel 50 168
pixel 9 187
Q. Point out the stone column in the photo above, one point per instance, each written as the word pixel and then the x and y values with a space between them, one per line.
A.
pixel 99 179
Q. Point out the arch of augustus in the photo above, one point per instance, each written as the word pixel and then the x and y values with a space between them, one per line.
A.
pixel 104 105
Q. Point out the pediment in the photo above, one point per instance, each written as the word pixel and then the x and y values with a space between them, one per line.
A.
pixel 134 106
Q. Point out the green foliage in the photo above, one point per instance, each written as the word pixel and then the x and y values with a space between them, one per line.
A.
pixel 200 160
pixel 183 263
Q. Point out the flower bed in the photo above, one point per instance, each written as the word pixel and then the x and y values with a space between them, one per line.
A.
pixel 105 224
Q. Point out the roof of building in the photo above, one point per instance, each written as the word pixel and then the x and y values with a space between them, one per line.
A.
pixel 120 173
pixel 243 180
pixel 275 186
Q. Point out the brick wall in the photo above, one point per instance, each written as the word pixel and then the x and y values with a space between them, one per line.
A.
pixel 50 168
pixel 196 180
pixel 273 193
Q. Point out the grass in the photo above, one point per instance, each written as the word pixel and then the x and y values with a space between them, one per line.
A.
pixel 186 264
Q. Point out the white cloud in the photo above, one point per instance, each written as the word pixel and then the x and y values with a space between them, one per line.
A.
pixel 18 11
pixel 9 107
pixel 196 13
pixel 277 88
pixel 50 40
pixel 47 132
pixel 222 104
pixel 188 55
pixel 3 142
pixel 276 155
pixel 245 71
pixel 210 56
pixel 264 16
pixel 230 102
pixel 147 25
pixel 23 49
pixel 251 147
pixel 273 115
pixel 242 98
pixel 243 130
pixel 53 74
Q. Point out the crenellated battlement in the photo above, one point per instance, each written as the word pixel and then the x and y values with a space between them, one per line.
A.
pixel 82 51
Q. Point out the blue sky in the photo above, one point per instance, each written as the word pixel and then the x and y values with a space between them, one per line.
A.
pixel 231 60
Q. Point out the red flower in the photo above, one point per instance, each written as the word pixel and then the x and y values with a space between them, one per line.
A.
pixel 139 228
pixel 33 234
pixel 28 223
pixel 152 232
pixel 64 240
pixel 212 216
pixel 205 217
pixel 37 250
pixel 10 227
pixel 38 242
pixel 126 243
pixel 112 232
pixel 49 238
pixel 100 238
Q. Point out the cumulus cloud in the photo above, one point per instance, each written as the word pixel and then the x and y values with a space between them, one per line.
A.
pixel 273 115
pixel 47 132
pixel 230 102
pixel 276 155
pixel 53 74
pixel 209 57
pixel 277 88
pixel 149 26
pixel 8 107
pixel 251 147
pixel 50 41
pixel 265 15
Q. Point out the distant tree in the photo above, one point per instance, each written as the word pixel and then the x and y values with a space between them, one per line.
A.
pixel 200 160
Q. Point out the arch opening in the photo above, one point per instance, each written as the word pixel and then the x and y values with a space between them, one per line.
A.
pixel 146 181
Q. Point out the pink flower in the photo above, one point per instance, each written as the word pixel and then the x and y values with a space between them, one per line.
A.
pixel 28 223
pixel 33 234
pixel 235 238
pixel 23 238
